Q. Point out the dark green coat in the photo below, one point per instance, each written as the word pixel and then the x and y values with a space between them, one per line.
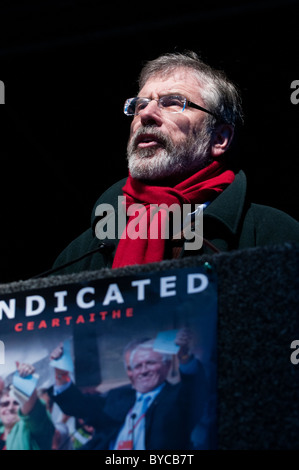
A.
pixel 230 222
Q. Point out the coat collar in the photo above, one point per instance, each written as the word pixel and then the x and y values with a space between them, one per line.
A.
pixel 228 207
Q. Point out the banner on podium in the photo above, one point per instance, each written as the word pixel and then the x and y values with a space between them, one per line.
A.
pixel 99 344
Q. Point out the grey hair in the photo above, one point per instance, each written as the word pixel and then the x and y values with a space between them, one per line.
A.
pixel 148 345
pixel 219 94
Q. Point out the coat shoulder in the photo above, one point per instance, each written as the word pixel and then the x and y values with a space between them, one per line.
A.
pixel 274 224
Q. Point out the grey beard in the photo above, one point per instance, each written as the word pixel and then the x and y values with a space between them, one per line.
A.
pixel 169 160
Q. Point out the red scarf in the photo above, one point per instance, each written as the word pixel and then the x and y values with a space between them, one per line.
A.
pixel 201 187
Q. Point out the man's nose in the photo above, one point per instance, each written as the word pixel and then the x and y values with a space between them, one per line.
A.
pixel 144 369
pixel 151 114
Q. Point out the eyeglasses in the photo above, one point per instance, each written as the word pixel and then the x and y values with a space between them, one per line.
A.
pixel 169 103
pixel 4 404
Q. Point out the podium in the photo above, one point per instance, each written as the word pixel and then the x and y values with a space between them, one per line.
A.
pixel 255 292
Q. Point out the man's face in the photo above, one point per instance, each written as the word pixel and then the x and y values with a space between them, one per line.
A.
pixel 148 370
pixel 162 144
pixel 9 408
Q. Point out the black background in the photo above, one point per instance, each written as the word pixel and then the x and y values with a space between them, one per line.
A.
pixel 68 66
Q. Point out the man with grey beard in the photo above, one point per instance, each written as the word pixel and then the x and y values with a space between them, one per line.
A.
pixel 145 165
pixel 184 119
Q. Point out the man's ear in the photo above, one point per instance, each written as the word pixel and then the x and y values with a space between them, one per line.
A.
pixel 221 139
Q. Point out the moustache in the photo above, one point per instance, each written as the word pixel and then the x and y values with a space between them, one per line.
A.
pixel 146 133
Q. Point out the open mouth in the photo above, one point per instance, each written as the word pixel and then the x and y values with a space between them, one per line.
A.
pixel 148 140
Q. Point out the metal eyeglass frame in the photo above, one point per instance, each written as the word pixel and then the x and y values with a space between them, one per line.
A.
pixel 148 100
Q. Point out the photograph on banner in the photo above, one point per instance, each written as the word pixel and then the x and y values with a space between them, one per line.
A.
pixel 113 363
